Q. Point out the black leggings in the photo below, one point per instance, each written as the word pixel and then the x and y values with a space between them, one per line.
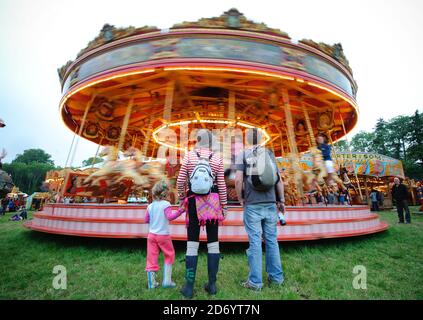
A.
pixel 193 231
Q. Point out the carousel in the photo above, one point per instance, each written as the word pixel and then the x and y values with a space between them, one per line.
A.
pixel 141 94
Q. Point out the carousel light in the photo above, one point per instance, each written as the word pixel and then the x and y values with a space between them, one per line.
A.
pixel 180 123
pixel 173 124
pixel 93 83
pixel 263 73
pixel 245 125
pixel 335 93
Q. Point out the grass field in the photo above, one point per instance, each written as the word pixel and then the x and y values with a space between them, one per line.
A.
pixel 114 268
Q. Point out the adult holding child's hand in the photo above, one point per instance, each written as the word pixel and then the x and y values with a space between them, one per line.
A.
pixel 201 186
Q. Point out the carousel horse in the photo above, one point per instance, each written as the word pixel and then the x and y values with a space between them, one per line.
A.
pixel 347 182
pixel 107 170
pixel 319 168
pixel 142 172
pixel 136 168
pixel 290 184
pixel 129 168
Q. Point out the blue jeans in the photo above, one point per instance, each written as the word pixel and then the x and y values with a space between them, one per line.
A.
pixel 260 222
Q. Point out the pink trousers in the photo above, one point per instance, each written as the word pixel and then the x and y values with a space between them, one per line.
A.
pixel 155 244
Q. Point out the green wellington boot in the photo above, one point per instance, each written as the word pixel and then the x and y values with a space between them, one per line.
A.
pixel 191 269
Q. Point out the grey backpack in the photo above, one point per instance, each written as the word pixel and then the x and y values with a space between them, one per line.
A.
pixel 202 178
pixel 261 169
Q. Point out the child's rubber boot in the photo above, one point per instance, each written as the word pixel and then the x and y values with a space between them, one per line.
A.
pixel 151 280
pixel 167 277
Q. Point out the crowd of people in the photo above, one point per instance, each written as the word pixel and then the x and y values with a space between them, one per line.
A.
pixel 13 205
pixel 9 205
pixel 333 197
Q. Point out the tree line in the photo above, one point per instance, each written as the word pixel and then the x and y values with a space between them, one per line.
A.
pixel 29 169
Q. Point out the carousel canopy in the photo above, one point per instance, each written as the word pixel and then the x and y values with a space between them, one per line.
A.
pixel 223 72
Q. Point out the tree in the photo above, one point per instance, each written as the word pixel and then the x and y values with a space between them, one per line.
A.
pixel 398 138
pixel 381 135
pixel 363 142
pixel 28 177
pixel 341 146
pixel 416 139
pixel 28 170
pixel 89 161
pixel 34 155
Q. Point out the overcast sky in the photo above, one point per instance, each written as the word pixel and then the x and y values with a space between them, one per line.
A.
pixel 382 40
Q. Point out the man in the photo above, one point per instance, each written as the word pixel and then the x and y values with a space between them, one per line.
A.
pixel 400 195
pixel 260 217
pixel 373 197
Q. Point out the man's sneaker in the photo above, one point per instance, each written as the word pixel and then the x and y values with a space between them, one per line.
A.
pixel 407 222
pixel 248 285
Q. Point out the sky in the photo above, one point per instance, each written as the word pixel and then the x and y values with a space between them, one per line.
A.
pixel 382 40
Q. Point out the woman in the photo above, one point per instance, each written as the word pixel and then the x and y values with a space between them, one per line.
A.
pixel 197 218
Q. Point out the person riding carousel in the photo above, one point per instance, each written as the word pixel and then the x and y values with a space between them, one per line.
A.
pixel 202 189
pixel 326 150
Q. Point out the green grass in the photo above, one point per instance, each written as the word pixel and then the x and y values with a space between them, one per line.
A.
pixel 114 268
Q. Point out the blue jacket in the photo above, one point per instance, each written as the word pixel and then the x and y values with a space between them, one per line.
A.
pixel 326 150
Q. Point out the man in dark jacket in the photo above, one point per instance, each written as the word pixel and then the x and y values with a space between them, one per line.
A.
pixel 400 195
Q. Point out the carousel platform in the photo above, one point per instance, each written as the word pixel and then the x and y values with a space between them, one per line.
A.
pixel 127 221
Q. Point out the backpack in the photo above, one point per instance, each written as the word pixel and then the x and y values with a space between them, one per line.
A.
pixel 261 170
pixel 202 178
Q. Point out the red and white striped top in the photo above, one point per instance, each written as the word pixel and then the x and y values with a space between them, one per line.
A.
pixel 188 164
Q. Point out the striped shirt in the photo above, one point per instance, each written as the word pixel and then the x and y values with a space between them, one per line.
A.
pixel 188 164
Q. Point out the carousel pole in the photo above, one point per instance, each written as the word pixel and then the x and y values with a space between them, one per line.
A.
pixel 70 149
pixel 289 121
pixel 291 135
pixel 81 128
pixel 349 150
pixel 134 140
pixel 334 148
pixel 308 124
pixel 167 111
pixel 96 153
pixel 147 137
pixel 282 148
pixel 84 118
pixel 125 124
pixel 227 138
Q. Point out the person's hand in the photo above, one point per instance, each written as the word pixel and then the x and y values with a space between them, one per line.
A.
pixel 281 206
pixel 224 211
pixel 181 204
pixel 241 202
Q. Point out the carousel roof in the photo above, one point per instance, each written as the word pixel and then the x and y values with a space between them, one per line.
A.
pixel 217 73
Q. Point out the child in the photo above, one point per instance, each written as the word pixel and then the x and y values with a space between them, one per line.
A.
pixel 158 215
pixel 326 153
